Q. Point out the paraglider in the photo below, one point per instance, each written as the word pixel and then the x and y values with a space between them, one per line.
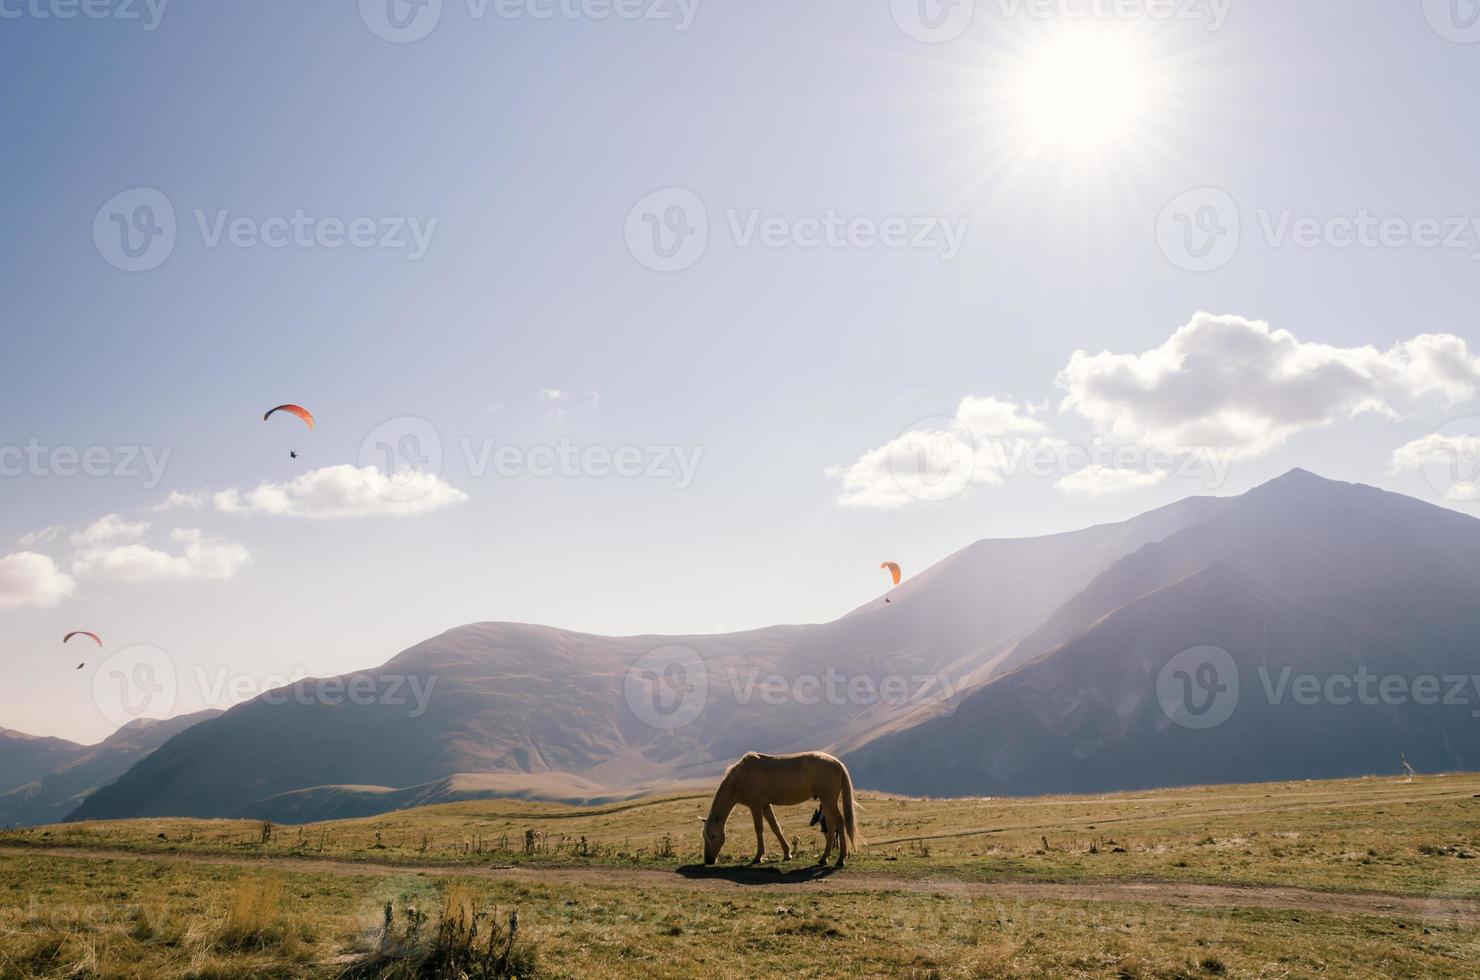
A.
pixel 82 665
pixel 91 636
pixel 297 410
pixel 893 567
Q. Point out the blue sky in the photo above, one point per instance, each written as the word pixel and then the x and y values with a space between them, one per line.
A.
pixel 520 147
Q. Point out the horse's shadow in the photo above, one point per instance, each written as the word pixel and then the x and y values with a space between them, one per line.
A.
pixel 758 874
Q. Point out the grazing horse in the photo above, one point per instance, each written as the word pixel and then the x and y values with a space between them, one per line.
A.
pixel 762 781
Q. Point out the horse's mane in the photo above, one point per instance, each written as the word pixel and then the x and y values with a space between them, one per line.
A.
pixel 730 769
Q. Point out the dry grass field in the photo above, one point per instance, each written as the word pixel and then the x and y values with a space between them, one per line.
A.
pixel 1371 877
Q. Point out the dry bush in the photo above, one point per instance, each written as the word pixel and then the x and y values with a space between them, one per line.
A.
pixel 468 944
pixel 254 916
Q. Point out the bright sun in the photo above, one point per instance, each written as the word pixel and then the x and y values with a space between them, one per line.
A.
pixel 1082 91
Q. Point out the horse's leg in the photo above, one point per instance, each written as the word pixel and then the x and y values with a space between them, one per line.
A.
pixel 829 827
pixel 835 829
pixel 776 829
pixel 760 839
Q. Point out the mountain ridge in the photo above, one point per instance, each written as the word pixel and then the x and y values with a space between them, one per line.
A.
pixel 540 702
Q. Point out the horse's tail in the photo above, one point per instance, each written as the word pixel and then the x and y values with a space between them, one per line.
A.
pixel 850 821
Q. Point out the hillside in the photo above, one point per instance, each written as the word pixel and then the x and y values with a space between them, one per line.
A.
pixel 520 699
pixel 1299 577
pixel 56 792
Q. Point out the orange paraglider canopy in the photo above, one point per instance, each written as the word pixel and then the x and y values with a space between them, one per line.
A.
pixel 893 567
pixel 297 410
pixel 92 636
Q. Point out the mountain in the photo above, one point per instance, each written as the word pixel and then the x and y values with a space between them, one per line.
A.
pixel 1027 665
pixel 519 699
pixel 81 770
pixel 1299 577
pixel 24 758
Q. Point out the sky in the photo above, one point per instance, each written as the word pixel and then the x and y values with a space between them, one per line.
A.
pixel 649 316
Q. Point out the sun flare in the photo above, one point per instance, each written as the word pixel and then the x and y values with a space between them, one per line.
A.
pixel 1082 91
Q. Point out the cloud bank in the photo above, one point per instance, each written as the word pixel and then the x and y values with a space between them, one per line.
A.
pixel 29 579
pixel 1219 388
pixel 336 492
pixel 1223 382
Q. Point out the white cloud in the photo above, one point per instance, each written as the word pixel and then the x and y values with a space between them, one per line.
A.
pixel 1096 481
pixel 199 557
pixel 108 529
pixel 593 398
pixel 551 395
pixel 177 500
pixel 1223 382
pixel 939 458
pixel 45 535
pixel 990 418
pixel 1436 448
pixel 344 491
pixel 29 579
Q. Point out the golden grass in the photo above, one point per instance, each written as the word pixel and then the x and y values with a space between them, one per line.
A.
pixel 1378 834
pixel 73 917
pixel 85 916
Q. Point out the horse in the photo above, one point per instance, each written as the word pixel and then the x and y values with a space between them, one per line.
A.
pixel 762 781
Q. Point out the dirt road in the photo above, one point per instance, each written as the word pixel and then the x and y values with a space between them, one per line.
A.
pixel 771 878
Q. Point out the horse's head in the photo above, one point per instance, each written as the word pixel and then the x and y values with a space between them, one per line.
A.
pixel 714 839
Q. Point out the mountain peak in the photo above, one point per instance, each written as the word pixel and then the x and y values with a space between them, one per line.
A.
pixel 1298 475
